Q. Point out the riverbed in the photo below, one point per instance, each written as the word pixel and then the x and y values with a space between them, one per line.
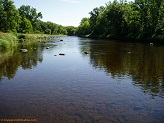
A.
pixel 80 80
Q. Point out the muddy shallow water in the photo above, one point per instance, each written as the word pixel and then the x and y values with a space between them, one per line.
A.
pixel 112 82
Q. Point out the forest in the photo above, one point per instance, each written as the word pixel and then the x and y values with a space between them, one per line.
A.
pixel 26 19
pixel 141 20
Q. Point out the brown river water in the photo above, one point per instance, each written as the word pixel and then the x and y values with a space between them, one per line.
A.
pixel 114 82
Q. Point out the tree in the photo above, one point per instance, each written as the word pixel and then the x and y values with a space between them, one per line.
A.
pixel 42 26
pixel 62 30
pixel 94 15
pixel 71 30
pixel 84 27
pixel 48 31
pixel 115 18
pixel 1 15
pixel 30 13
pixel 101 25
pixel 53 27
pixel 159 29
pixel 10 17
pixel 26 26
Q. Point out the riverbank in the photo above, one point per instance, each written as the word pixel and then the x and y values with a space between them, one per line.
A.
pixel 133 39
pixel 9 40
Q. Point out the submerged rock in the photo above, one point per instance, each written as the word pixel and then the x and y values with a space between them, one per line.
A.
pixel 23 50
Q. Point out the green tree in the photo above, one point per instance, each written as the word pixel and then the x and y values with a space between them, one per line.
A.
pixel 48 31
pixel 1 15
pixel 84 27
pixel 151 14
pixel 94 15
pixel 10 17
pixel 101 25
pixel 115 19
pixel 31 14
pixel 131 20
pixel 53 27
pixel 62 30
pixel 71 30
pixel 26 26
pixel 138 20
pixel 42 26
pixel 157 17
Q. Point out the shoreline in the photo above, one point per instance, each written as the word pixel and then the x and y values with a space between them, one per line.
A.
pixel 9 40
pixel 124 39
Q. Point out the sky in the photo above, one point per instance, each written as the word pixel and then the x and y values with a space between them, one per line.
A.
pixel 63 12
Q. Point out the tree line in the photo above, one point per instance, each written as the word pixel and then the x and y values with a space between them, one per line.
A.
pixel 138 20
pixel 141 19
pixel 26 19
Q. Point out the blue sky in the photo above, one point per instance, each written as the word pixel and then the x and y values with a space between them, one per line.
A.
pixel 63 12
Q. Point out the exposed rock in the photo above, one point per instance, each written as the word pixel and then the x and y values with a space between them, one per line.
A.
pixel 62 54
pixel 61 40
pixel 23 50
pixel 86 53
pixel 47 47
pixel 151 44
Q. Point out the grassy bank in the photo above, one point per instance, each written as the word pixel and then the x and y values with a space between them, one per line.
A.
pixel 34 37
pixel 9 40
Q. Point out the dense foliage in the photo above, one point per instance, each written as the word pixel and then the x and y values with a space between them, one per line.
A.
pixel 141 19
pixel 26 20
pixel 138 20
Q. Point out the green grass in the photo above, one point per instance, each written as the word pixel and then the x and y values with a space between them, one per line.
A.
pixel 7 40
pixel 35 36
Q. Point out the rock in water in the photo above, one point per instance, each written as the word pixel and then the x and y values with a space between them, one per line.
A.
pixel 23 50
pixel 62 54
pixel 151 44
pixel 86 52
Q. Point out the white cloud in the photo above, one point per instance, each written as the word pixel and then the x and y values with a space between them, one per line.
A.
pixel 71 1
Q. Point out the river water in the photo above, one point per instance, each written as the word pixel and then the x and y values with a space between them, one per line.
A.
pixel 112 82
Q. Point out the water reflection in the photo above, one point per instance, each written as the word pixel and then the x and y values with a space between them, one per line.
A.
pixel 143 63
pixel 11 60
pixel 68 89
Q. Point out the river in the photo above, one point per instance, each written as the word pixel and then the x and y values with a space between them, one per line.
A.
pixel 92 81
